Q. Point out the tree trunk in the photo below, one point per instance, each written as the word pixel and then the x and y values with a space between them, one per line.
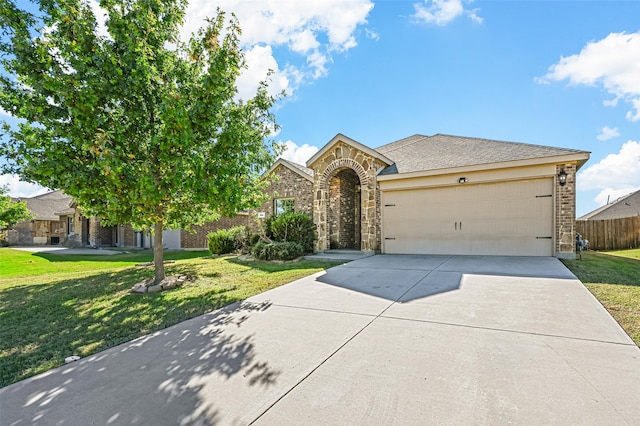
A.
pixel 158 254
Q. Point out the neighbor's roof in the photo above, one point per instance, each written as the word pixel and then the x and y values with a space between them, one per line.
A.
pixel 626 206
pixel 47 206
pixel 419 153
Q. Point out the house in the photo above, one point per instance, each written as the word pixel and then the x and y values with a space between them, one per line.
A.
pixel 615 226
pixel 45 227
pixel 438 194
pixel 627 206
pixel 445 194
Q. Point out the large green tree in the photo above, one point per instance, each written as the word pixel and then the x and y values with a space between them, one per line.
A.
pixel 137 126
pixel 11 212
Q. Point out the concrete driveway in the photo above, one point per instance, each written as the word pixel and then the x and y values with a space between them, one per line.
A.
pixel 381 340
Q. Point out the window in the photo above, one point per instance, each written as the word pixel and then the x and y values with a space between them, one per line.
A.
pixel 283 205
pixel 71 225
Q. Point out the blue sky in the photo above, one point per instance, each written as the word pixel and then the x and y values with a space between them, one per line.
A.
pixel 559 73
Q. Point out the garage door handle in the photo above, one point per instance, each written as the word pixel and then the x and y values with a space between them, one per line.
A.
pixel 544 238
pixel 456 226
pixel 389 238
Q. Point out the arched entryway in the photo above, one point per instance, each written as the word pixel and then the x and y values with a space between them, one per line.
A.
pixel 344 209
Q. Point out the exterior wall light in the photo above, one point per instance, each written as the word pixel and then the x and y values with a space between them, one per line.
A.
pixel 562 177
pixel 463 180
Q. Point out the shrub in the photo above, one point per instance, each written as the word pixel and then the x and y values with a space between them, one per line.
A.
pixel 225 241
pixel 295 227
pixel 267 227
pixel 220 241
pixel 281 250
pixel 240 235
pixel 253 239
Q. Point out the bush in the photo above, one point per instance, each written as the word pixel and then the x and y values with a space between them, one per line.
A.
pixel 253 239
pixel 225 241
pixel 220 241
pixel 282 250
pixel 267 227
pixel 295 227
pixel 240 235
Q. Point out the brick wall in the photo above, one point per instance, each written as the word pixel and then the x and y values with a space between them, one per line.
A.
pixel 566 212
pixel 289 185
pixel 198 239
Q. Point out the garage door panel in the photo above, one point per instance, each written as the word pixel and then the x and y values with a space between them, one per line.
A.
pixel 508 218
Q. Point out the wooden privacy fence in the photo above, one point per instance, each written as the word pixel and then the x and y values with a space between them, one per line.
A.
pixel 611 234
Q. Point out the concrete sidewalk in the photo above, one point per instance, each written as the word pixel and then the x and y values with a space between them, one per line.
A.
pixel 381 340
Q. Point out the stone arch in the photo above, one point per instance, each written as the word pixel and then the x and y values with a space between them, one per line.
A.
pixel 342 163
pixel 363 219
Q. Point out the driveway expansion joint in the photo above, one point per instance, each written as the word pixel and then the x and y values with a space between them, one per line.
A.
pixel 504 330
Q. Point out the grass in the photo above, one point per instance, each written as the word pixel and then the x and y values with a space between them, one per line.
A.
pixel 614 279
pixel 54 306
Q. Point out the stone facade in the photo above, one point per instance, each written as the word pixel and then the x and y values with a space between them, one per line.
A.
pixel 339 157
pixel 566 212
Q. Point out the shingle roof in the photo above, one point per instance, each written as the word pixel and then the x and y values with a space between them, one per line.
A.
pixel 46 206
pixel 626 206
pixel 419 152
pixel 300 167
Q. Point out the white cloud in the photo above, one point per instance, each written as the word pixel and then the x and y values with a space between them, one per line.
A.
pixel 5 113
pixel 298 154
pixel 634 116
pixel 616 174
pixel 259 61
pixel 441 12
pixel 610 195
pixel 18 188
pixel 611 63
pixel 608 133
pixel 312 29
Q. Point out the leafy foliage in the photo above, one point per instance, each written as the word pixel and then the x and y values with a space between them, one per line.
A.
pixel 137 126
pixel 225 241
pixel 296 227
pixel 12 212
pixel 278 250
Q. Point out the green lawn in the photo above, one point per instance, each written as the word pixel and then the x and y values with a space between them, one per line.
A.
pixel 54 306
pixel 614 279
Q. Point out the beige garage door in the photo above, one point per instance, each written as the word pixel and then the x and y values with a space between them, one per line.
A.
pixel 507 218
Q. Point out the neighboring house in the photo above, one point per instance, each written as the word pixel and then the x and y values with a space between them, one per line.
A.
pixel 58 221
pixel 627 206
pixel 45 227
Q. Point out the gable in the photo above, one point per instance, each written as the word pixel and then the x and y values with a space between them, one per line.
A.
pixel 340 139
pixel 291 166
